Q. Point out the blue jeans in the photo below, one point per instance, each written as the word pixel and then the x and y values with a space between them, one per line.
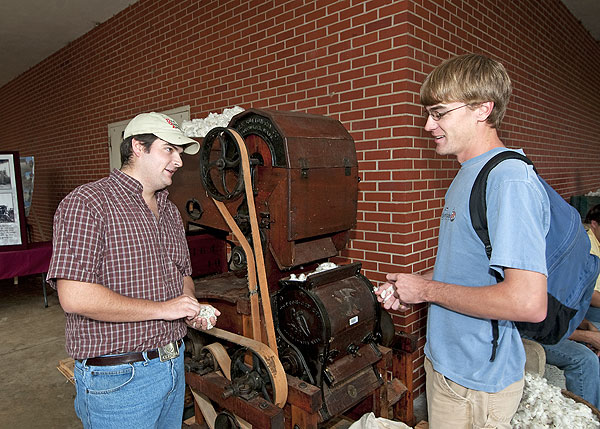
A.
pixel 593 315
pixel 145 394
pixel 581 368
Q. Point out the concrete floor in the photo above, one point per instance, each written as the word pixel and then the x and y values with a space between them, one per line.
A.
pixel 34 394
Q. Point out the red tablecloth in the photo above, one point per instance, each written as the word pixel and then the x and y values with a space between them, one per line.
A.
pixel 33 260
pixel 208 257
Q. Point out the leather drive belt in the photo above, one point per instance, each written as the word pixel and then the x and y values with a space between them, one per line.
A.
pixel 165 352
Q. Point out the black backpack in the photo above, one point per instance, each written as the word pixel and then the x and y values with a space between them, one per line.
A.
pixel 572 270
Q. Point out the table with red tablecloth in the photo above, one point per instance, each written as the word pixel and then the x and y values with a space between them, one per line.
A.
pixel 208 256
pixel 34 259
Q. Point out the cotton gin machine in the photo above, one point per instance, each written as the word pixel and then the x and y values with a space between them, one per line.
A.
pixel 300 340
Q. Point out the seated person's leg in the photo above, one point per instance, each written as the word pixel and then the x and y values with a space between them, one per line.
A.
pixel 593 315
pixel 581 368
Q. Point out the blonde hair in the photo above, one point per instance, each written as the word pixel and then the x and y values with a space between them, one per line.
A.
pixel 471 79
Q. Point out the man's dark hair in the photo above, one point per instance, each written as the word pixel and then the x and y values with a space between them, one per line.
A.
pixel 593 214
pixel 127 151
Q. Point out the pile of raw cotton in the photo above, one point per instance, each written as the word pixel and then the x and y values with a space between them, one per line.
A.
pixel 201 127
pixel 544 406
pixel 595 193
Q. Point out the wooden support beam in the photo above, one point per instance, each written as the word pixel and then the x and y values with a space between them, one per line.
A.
pixel 404 346
pixel 256 411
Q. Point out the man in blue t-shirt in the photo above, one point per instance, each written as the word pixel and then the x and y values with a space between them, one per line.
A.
pixel 465 100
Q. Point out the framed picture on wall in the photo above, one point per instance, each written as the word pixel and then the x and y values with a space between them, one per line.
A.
pixel 13 226
pixel 27 175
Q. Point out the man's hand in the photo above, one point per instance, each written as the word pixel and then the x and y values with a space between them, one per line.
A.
pixel 386 294
pixel 206 315
pixel 588 334
pixel 410 288
pixel 184 306
pixel 205 319
pixel 403 289
pixel 593 341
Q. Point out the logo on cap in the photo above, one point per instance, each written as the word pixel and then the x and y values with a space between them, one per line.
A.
pixel 172 123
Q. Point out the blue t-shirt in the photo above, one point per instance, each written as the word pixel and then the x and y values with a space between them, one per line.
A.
pixel 518 213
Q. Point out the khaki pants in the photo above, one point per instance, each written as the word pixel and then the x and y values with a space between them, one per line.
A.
pixel 453 406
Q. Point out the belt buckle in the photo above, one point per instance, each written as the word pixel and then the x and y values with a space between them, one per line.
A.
pixel 168 351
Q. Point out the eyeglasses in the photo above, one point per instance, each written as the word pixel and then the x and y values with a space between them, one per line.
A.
pixel 436 116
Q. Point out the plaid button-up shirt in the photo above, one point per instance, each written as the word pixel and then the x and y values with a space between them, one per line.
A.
pixel 105 233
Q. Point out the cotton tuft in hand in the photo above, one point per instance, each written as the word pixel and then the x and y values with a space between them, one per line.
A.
pixel 207 311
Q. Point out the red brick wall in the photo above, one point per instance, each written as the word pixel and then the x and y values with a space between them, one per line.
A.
pixel 359 61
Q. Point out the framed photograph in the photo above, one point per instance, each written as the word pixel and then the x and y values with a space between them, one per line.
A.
pixel 27 175
pixel 13 226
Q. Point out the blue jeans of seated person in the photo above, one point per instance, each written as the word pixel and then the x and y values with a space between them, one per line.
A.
pixel 581 367
pixel 593 315
pixel 145 394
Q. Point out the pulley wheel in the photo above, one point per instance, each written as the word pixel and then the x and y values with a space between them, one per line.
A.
pixel 221 165
pixel 194 343
pixel 226 420
pixel 250 374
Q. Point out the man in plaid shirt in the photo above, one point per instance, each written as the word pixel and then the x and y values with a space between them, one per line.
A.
pixel 122 270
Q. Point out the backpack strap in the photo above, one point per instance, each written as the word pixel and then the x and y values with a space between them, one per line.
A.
pixel 478 212
pixel 478 203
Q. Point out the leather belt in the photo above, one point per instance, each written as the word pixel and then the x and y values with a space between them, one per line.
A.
pixel 127 357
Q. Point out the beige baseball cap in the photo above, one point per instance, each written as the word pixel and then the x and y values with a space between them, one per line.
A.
pixel 164 128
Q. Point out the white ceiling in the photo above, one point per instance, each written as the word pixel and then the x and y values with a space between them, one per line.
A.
pixel 32 30
pixel 588 12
